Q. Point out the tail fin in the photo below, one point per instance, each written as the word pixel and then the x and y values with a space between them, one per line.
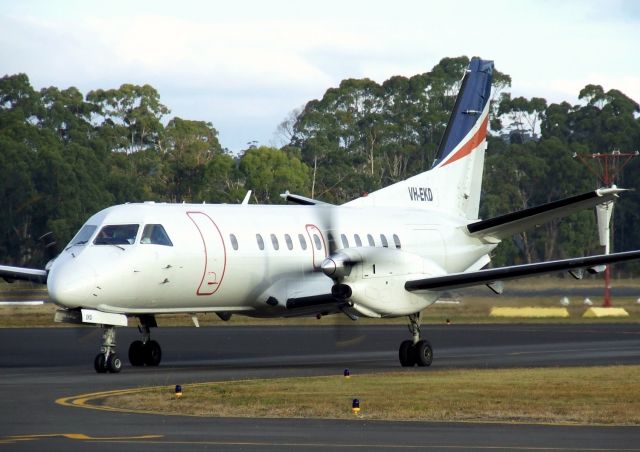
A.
pixel 455 179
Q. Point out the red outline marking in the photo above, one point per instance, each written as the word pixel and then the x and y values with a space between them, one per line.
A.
pixel 206 256
pixel 313 247
pixel 470 145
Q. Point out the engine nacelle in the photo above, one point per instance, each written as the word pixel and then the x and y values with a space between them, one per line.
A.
pixel 376 281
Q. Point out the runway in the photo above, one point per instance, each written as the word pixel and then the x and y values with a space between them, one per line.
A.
pixel 39 366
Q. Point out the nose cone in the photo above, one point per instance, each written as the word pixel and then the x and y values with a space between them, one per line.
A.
pixel 71 284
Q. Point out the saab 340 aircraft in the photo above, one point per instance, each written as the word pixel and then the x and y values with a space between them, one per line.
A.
pixel 388 254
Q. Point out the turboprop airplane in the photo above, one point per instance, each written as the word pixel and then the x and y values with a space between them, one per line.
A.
pixel 389 254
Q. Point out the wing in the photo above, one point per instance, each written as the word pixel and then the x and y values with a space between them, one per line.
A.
pixel 459 280
pixel 11 274
pixel 506 225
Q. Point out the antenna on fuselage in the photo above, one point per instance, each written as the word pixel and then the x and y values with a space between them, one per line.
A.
pixel 245 201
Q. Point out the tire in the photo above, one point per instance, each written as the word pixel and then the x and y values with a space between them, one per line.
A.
pixel 152 353
pixel 136 353
pixel 406 354
pixel 423 353
pixel 114 363
pixel 100 364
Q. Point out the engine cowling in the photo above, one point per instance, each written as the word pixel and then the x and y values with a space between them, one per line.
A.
pixel 372 280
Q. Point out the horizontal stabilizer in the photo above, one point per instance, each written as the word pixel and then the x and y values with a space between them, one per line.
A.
pixel 302 200
pixel 460 280
pixel 11 274
pixel 506 225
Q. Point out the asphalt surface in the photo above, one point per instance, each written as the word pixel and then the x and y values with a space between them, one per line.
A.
pixel 39 366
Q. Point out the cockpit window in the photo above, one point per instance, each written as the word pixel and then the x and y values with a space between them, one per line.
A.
pixel 117 234
pixel 155 234
pixel 83 235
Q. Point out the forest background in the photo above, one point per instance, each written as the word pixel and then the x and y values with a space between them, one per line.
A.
pixel 65 155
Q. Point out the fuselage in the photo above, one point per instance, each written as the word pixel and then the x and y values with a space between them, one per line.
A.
pixel 155 258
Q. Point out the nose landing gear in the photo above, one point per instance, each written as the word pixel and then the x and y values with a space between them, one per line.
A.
pixel 107 360
pixel 416 351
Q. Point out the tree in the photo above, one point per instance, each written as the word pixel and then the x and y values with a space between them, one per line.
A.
pixel 136 109
pixel 270 172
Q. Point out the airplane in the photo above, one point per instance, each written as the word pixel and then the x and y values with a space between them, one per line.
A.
pixel 390 253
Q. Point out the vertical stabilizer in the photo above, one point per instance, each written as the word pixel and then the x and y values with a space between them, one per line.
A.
pixel 454 181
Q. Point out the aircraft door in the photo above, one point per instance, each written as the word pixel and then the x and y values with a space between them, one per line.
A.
pixel 317 244
pixel 215 254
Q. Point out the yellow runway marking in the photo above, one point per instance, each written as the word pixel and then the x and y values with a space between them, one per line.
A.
pixel 74 436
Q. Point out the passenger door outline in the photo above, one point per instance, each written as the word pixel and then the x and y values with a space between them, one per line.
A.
pixel 213 246
pixel 317 256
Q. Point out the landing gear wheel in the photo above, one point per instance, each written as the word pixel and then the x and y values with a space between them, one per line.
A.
pixel 423 353
pixel 100 363
pixel 136 353
pixel 114 363
pixel 406 354
pixel 152 353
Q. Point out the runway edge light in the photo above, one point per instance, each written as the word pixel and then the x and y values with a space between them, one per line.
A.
pixel 346 373
pixel 178 391
pixel 355 406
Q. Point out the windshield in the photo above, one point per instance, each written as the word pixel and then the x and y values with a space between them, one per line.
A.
pixel 83 235
pixel 155 234
pixel 120 234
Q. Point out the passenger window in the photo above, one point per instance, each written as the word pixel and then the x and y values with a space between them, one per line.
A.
pixel 345 241
pixel 260 241
pixel 303 242
pixel 234 241
pixel 383 239
pixel 396 240
pixel 287 238
pixel 121 234
pixel 274 242
pixel 317 241
pixel 154 234
pixel 357 239
pixel 370 240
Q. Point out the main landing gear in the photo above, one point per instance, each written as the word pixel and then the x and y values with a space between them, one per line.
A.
pixel 416 351
pixel 145 352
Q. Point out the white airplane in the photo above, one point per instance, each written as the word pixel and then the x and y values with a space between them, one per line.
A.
pixel 389 254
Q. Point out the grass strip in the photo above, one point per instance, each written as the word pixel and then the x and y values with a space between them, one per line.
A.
pixel 575 395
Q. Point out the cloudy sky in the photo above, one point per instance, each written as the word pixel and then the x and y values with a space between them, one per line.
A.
pixel 245 65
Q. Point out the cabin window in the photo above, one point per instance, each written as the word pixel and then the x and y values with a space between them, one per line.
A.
pixel 260 241
pixel 274 242
pixel 83 235
pixel 370 240
pixel 303 242
pixel 396 240
pixel 317 241
pixel 345 241
pixel 383 239
pixel 287 239
pixel 154 234
pixel 234 241
pixel 356 237
pixel 117 234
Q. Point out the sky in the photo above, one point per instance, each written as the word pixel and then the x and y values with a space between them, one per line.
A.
pixel 244 66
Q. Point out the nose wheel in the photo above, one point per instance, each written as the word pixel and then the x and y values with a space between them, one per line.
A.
pixel 415 352
pixel 108 360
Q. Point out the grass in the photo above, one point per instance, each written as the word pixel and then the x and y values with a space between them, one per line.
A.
pixel 472 307
pixel 583 395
